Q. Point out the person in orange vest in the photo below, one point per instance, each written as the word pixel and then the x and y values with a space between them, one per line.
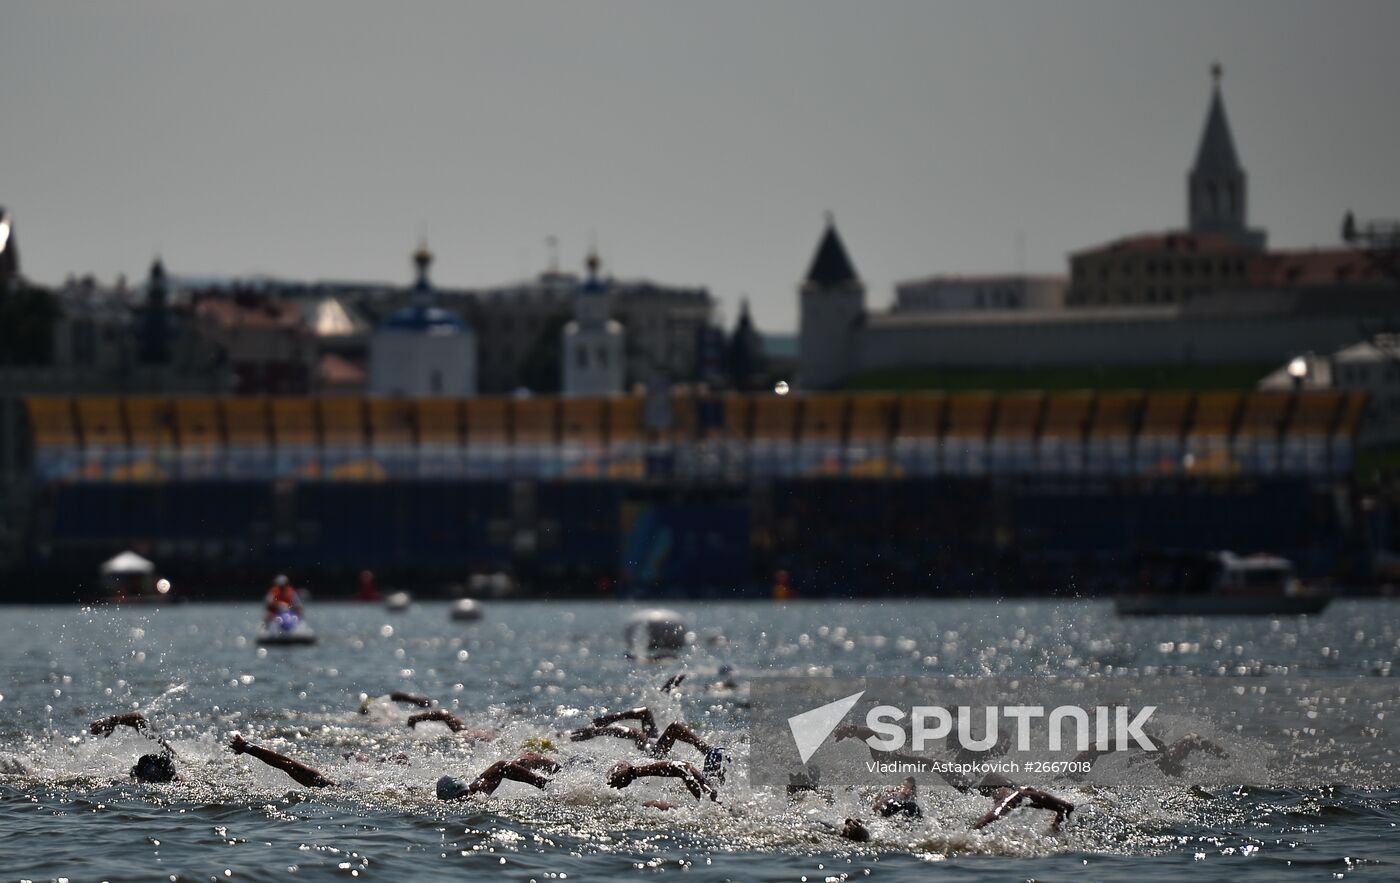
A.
pixel 782 587
pixel 281 597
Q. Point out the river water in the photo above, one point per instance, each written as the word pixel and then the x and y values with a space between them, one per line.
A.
pixel 69 809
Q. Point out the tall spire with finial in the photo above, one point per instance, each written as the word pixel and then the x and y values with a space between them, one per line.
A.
pixel 1216 187
pixel 155 324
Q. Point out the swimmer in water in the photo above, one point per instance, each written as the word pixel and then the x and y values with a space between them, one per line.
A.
pixel 396 696
pixel 1170 758
pixel 300 772
pixel 851 829
pixel 1006 795
pixel 524 768
pixel 646 737
pixel 726 682
pixel 149 768
pixel 1008 799
pixel 899 801
pixel 624 774
pixel 454 723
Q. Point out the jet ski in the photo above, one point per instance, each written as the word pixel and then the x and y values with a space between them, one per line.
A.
pixel 286 628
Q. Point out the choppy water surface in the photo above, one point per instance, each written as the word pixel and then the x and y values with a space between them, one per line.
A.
pixel 68 808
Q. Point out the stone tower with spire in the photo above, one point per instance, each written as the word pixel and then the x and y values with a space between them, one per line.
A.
pixel 833 303
pixel 1216 189
pixel 155 319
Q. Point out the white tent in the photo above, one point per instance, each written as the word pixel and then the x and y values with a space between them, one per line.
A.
pixel 127 562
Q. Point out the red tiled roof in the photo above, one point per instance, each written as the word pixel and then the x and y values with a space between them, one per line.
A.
pixel 984 279
pixel 1169 243
pixel 335 370
pixel 264 314
pixel 1336 266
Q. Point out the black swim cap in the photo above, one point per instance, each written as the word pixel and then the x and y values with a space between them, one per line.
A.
pixel 154 768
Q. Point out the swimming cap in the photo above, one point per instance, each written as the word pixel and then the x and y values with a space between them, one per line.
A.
pixel 154 768
pixel 451 788
pixel 715 761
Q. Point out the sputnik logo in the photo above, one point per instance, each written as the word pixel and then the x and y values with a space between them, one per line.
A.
pixel 810 728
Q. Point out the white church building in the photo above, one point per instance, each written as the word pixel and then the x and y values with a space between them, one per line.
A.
pixel 422 349
pixel 594 360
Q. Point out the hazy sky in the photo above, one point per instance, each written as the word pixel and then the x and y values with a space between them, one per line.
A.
pixel 700 142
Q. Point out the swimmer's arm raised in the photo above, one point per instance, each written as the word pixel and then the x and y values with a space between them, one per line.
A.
pixel 454 723
pixel 300 772
pixel 442 715
pixel 1036 798
pixel 640 714
pixel 105 726
pixel 678 769
pixel 411 699
pixel 679 732
pixel 522 769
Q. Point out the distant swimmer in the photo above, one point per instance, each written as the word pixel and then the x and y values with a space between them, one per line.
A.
pixel 281 597
pixel 525 768
pixel 1006 795
pixel 453 722
pixel 725 682
pixel 624 774
pixel 407 698
pixel 1170 758
pixel 398 758
pixel 300 772
pixel 149 768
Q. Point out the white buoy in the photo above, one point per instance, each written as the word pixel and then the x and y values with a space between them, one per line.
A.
pixel 397 601
pixel 655 633
pixel 163 586
pixel 466 610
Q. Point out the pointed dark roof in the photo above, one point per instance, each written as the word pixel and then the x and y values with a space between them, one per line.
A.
pixel 831 265
pixel 1216 156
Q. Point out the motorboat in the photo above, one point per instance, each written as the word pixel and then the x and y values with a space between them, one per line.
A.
pixel 128 578
pixel 1226 584
pixel 286 628
pixel 466 610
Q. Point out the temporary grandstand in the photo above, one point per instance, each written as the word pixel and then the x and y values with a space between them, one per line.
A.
pixel 711 438
pixel 965 493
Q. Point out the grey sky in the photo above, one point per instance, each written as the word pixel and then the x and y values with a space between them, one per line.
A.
pixel 701 142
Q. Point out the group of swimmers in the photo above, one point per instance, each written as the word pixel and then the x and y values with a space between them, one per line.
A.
pixel 539 761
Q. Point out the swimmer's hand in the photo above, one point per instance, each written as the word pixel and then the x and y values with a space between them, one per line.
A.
pixel 854 829
pixel 105 726
pixel 238 744
pixel 852 731
pixel 411 699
